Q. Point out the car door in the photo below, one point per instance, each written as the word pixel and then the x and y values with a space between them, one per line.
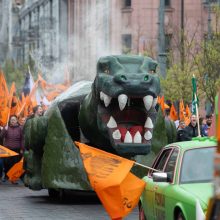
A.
pixel 152 186
pixel 162 201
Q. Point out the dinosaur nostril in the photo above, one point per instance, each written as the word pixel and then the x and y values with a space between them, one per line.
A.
pixel 146 78
pixel 123 77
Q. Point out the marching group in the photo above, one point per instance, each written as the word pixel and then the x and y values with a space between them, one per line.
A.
pixel 12 137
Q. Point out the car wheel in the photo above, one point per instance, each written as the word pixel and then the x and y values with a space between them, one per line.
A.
pixel 141 213
pixel 180 216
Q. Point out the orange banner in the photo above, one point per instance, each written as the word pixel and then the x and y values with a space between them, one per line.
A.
pixel 117 188
pixel 5 152
pixel 173 113
pixel 16 171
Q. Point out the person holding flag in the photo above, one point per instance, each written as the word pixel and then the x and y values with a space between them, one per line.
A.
pixel 193 129
pixel 12 135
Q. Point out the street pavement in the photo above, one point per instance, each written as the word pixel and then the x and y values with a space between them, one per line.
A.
pixel 19 202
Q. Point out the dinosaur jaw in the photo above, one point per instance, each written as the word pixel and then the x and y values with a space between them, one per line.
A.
pixel 129 123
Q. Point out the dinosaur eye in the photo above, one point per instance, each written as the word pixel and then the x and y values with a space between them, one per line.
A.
pixel 152 71
pixel 105 68
pixel 146 78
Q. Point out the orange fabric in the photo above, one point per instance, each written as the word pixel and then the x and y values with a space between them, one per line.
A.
pixel 162 103
pixel 117 188
pixel 173 113
pixel 187 121
pixel 9 105
pixel 158 99
pixel 188 112
pixel 3 85
pixel 181 110
pixel 15 105
pixel 4 116
pixel 16 171
pixel 5 152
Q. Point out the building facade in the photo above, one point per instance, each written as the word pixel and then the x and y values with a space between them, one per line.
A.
pixel 77 32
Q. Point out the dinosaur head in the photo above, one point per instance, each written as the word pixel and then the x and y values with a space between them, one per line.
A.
pixel 126 90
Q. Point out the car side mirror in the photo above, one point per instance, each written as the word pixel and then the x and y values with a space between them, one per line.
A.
pixel 160 177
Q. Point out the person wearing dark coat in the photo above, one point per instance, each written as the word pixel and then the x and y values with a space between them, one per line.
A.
pixel 181 132
pixel 192 129
pixel 12 139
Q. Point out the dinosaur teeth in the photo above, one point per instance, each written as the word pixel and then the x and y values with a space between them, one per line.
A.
pixel 102 96
pixel 149 123
pixel 128 138
pixel 107 99
pixel 116 135
pixel 122 101
pixel 137 138
pixel 148 135
pixel 154 102
pixel 112 123
pixel 148 100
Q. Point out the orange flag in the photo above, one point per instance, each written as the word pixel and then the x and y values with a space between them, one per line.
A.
pixel 4 116
pixel 188 112
pixel 16 171
pixel 3 100
pixel 181 110
pixel 173 113
pixel 162 103
pixel 3 86
pixel 110 177
pixel 5 152
pixel 11 95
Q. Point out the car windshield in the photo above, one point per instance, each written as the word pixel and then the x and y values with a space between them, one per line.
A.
pixel 197 165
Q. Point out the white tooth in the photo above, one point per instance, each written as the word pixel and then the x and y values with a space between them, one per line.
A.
pixel 137 138
pixel 116 134
pixel 149 123
pixel 112 123
pixel 128 138
pixel 101 96
pixel 148 99
pixel 154 102
pixel 148 135
pixel 107 99
pixel 122 101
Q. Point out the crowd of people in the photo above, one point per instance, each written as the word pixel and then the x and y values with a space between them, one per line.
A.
pixel 194 129
pixel 12 137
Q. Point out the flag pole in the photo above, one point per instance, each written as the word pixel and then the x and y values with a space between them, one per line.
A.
pixel 197 115
pixel 196 103
pixel 147 167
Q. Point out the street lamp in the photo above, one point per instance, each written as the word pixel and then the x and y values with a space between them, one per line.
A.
pixel 162 56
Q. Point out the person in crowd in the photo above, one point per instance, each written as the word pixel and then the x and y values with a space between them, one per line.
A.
pixel 203 125
pixel 181 132
pixel 38 111
pixel 22 121
pixel 1 159
pixel 192 129
pixel 12 139
pixel 206 126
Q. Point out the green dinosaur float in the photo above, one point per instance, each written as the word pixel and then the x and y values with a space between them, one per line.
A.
pixel 115 113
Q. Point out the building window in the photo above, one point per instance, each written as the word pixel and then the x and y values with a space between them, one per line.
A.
pixel 127 3
pixel 167 3
pixel 168 38
pixel 126 43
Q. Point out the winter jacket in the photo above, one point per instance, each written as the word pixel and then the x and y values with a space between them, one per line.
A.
pixel 13 137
